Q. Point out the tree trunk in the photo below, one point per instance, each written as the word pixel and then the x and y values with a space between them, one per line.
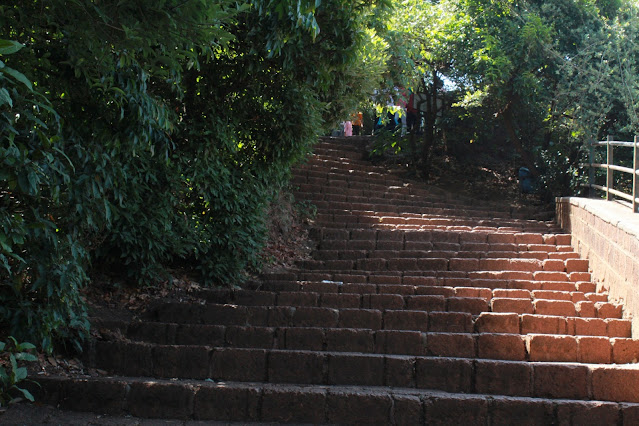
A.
pixel 429 127
pixel 510 128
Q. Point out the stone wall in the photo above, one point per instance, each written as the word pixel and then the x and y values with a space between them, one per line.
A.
pixel 607 234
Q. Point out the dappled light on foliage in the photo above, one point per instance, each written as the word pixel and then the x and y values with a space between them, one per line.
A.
pixel 139 137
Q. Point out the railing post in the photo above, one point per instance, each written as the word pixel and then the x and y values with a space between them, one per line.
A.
pixel 591 169
pixel 635 183
pixel 609 172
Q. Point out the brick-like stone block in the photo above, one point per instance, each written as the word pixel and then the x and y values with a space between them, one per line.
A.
pixel 400 342
pixel 550 276
pixel 383 301
pixel 400 371
pixel 564 308
pixel 590 327
pixel 426 303
pixel 315 317
pixel 278 316
pixel 293 405
pixel 447 374
pixel 306 338
pixel 374 264
pixel 460 345
pixel 525 265
pixel 503 378
pixel 450 322
pixel 358 407
pixel 552 294
pixel 542 324
pixel 160 400
pixel 349 340
pixel 384 286
pixel 248 365
pixel 611 383
pixel 585 309
pixel 250 337
pixel 200 334
pixel 557 286
pixel 608 310
pixel 555 265
pixel 501 346
pixel 457 264
pixel 351 369
pixel 471 305
pixel 104 395
pixel 513 293
pixel 579 276
pixel 594 349
pixel 190 362
pixel 407 410
pixel 619 327
pixel 491 322
pixel 547 347
pixel 501 238
pixel 297 298
pixel 560 381
pixel 563 239
pixel 625 351
pixel 577 265
pixel 296 367
pixel 495 264
pixel 341 300
pixel 406 320
pixel 509 411
pixel 588 413
pixel 360 318
pixel 529 238
pixel 227 403
pixel 586 286
pixel 456 410
pixel 513 305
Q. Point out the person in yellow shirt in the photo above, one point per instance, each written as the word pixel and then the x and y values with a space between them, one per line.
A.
pixel 357 119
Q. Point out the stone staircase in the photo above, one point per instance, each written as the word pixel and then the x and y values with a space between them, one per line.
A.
pixel 418 307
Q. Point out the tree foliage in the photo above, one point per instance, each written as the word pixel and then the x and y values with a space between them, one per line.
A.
pixel 549 74
pixel 142 134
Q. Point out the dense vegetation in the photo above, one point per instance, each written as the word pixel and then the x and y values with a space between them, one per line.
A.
pixel 141 134
pixel 544 75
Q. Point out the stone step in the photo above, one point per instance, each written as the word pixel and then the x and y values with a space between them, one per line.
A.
pixel 416 327
pixel 277 403
pixel 369 281
pixel 394 360
pixel 473 300
pixel 458 235
pixel 470 256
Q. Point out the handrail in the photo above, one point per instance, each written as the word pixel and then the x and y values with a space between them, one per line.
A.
pixel 610 168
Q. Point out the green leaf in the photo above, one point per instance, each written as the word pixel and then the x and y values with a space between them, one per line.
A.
pixel 26 394
pixel 5 98
pixel 7 47
pixel 24 356
pixel 25 346
pixel 18 76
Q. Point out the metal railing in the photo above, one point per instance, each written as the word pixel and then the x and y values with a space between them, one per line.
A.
pixel 610 168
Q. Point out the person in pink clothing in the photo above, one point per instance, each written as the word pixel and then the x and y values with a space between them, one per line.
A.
pixel 348 128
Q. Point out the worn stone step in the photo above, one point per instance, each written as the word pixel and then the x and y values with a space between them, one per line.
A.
pixel 531 241
pixel 473 300
pixel 467 257
pixel 419 333
pixel 262 402
pixel 392 365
